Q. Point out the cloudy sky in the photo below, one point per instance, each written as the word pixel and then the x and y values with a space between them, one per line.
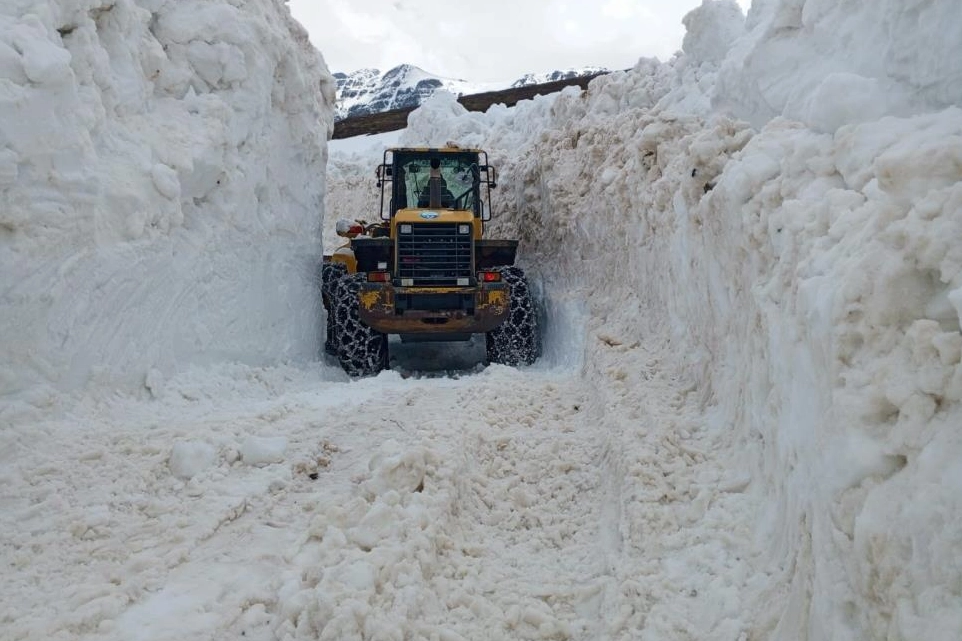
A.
pixel 492 40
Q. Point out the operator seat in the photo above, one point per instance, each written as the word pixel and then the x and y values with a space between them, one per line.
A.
pixel 447 198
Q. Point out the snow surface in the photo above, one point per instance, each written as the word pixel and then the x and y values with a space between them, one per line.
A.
pixel 745 425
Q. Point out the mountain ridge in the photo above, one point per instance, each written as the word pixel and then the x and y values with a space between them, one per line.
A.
pixel 368 91
pixel 394 119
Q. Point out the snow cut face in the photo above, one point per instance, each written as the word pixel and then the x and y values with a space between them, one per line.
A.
pixel 161 166
pixel 829 63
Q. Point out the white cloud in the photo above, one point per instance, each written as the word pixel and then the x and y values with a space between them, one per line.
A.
pixel 619 9
pixel 495 41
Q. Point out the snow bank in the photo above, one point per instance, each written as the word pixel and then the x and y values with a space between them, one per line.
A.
pixel 810 287
pixel 808 284
pixel 162 171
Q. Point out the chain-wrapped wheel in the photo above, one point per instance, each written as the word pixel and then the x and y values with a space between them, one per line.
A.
pixel 360 350
pixel 517 340
pixel 330 274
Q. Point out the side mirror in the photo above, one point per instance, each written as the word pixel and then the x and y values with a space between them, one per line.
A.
pixel 348 229
pixel 492 175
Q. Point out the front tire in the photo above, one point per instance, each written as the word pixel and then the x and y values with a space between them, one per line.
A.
pixel 360 350
pixel 517 340
pixel 331 273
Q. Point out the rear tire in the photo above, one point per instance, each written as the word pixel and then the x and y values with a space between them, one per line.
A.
pixel 517 340
pixel 360 350
pixel 330 274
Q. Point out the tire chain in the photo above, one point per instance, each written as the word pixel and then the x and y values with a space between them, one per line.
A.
pixel 516 341
pixel 330 274
pixel 361 350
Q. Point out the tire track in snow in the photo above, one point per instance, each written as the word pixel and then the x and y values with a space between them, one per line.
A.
pixel 680 526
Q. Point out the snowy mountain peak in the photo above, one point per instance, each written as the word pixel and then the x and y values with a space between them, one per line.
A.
pixel 554 76
pixel 368 91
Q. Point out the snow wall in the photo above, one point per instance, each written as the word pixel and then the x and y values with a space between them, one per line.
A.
pixel 805 275
pixel 830 63
pixel 162 168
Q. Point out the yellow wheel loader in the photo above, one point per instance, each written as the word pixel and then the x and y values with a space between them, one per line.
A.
pixel 425 272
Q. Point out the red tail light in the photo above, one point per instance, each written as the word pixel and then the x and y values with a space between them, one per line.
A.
pixel 379 277
pixel 489 277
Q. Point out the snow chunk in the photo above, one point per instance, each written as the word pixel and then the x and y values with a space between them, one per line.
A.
pixel 379 524
pixel 711 30
pixel 359 575
pixel 396 469
pixel 188 459
pixel 166 181
pixel 845 98
pixel 8 166
pixel 955 297
pixel 154 382
pixel 263 450
pixel 43 61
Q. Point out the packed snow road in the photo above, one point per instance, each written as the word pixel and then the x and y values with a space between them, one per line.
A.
pixel 293 504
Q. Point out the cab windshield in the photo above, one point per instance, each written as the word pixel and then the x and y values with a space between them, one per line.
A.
pixel 459 180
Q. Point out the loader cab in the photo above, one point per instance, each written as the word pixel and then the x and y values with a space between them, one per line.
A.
pixel 437 179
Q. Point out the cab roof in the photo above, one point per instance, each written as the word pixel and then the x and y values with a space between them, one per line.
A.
pixel 437 150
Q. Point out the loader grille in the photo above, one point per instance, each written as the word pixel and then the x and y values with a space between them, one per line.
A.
pixel 434 254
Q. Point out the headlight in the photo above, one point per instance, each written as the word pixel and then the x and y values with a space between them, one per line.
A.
pixel 464 229
pixel 404 229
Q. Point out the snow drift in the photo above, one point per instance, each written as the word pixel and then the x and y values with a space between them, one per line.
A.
pixel 161 169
